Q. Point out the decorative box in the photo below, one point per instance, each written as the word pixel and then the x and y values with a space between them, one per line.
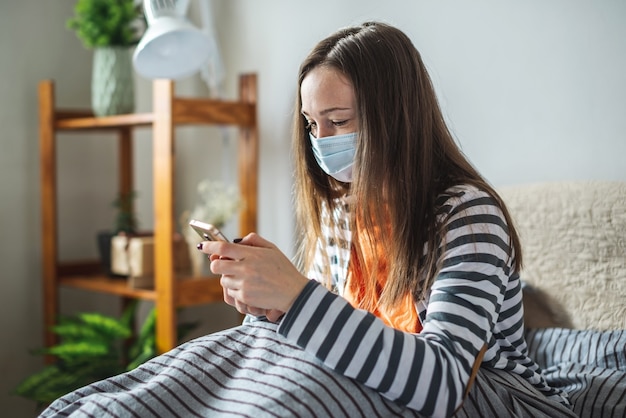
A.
pixel 134 257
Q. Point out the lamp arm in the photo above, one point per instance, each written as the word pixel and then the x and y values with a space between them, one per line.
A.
pixel 212 72
pixel 182 6
pixel 153 9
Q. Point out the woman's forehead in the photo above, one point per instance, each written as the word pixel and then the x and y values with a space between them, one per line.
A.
pixel 325 89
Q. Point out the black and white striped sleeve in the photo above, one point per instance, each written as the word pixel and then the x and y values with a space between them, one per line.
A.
pixel 427 372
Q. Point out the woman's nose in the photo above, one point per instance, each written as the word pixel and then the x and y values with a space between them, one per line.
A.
pixel 323 132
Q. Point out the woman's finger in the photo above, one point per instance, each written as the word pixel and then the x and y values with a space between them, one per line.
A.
pixel 242 308
pixel 238 251
pixel 248 310
pixel 274 315
pixel 227 298
pixel 256 311
pixel 255 240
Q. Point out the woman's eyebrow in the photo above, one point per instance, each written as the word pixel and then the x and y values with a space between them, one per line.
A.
pixel 326 111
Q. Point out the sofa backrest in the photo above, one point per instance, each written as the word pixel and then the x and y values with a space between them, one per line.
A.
pixel 574 242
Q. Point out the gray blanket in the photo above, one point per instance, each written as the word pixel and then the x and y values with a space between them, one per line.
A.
pixel 247 371
pixel 251 371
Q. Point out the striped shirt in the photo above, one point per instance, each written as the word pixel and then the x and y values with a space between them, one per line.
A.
pixel 476 299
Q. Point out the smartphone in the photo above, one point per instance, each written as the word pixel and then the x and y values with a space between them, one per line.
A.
pixel 207 231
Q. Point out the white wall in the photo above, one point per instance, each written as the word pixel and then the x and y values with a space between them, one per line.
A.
pixel 533 91
pixel 33 46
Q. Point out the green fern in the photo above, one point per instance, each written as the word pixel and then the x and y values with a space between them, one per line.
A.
pixel 72 330
pixel 92 347
pixel 79 350
pixel 145 344
pixel 107 327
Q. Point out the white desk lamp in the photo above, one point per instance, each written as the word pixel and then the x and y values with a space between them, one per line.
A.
pixel 171 47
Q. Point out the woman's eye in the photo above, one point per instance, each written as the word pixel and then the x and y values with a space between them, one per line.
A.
pixel 311 126
pixel 339 122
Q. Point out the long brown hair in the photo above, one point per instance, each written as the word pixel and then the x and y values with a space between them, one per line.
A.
pixel 405 158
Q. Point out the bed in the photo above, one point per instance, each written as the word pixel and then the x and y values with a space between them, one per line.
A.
pixel 574 237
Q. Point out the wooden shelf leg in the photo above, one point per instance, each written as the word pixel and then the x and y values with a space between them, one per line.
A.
pixel 248 158
pixel 47 147
pixel 125 169
pixel 163 178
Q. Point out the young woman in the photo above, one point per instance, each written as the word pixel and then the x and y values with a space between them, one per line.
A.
pixel 411 303
pixel 413 256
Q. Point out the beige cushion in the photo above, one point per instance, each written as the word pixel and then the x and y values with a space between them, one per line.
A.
pixel 574 242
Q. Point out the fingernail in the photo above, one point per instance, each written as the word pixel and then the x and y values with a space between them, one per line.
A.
pixel 199 246
pixel 237 240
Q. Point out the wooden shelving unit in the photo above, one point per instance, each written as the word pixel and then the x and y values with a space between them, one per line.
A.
pixel 170 292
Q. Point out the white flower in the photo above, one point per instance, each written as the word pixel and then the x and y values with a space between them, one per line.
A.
pixel 217 204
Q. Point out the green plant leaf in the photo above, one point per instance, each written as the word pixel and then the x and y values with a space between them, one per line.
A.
pixel 128 316
pixel 145 340
pixel 30 386
pixel 72 331
pixel 55 381
pixel 126 220
pixel 148 351
pixel 74 350
pixel 111 327
pixel 92 348
pixel 101 23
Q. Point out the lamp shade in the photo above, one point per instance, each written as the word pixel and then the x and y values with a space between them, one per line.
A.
pixel 171 46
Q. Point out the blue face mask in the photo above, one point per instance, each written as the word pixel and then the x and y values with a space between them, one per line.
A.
pixel 335 155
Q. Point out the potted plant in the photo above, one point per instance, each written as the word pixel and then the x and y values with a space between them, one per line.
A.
pixel 92 347
pixel 125 223
pixel 126 220
pixel 110 28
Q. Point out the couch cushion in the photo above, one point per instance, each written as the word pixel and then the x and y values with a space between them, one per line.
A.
pixel 574 241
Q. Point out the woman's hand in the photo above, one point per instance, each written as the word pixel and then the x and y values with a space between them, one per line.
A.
pixel 257 278
pixel 272 315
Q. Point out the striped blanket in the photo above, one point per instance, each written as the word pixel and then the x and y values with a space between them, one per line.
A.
pixel 247 371
pixel 589 365
pixel 250 371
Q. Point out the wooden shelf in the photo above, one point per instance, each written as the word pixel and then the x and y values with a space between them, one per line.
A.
pixel 89 275
pixel 191 290
pixel 108 122
pixel 168 111
pixel 106 284
pixel 184 111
